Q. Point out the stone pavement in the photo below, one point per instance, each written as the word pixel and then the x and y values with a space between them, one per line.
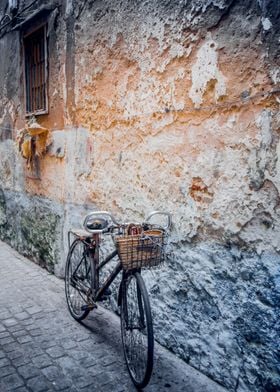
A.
pixel 43 349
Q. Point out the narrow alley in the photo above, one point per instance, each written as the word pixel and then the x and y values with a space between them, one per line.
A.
pixel 43 349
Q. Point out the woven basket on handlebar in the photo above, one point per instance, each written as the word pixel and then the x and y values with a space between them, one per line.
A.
pixel 144 250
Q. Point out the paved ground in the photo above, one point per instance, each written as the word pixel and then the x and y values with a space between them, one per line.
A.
pixel 43 349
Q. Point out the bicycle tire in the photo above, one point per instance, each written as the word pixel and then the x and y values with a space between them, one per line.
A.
pixel 137 329
pixel 77 280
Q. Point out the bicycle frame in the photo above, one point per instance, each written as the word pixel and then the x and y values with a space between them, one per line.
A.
pixel 82 272
pixel 96 267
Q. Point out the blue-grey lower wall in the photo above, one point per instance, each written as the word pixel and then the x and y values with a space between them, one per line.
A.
pixel 218 308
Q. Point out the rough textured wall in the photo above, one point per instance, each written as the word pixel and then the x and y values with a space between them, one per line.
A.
pixel 172 106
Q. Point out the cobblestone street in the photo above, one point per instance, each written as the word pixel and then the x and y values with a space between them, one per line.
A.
pixel 43 349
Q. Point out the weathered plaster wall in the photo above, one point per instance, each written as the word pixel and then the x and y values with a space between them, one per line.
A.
pixel 172 106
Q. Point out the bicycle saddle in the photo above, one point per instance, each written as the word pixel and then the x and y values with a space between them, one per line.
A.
pixel 97 224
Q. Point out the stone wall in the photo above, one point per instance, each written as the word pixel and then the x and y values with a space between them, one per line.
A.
pixel 172 106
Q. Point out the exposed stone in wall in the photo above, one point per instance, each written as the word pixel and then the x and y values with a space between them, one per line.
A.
pixel 172 106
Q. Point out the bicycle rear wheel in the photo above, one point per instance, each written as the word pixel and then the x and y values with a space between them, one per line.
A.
pixel 137 329
pixel 77 280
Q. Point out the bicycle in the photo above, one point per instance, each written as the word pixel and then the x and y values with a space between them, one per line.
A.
pixel 137 246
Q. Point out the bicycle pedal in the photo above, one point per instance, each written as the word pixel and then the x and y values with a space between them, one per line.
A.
pixel 103 298
pixel 105 295
pixel 107 292
pixel 88 307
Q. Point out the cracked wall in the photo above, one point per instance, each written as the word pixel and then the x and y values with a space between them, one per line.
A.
pixel 172 106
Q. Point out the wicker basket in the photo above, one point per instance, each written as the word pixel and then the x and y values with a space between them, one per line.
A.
pixel 144 250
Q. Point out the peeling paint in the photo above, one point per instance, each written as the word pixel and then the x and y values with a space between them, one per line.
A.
pixel 206 74
pixel 266 24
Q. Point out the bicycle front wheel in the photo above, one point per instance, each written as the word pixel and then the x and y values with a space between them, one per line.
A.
pixel 137 329
pixel 77 280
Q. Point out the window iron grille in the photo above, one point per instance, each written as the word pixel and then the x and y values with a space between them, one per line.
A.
pixel 35 54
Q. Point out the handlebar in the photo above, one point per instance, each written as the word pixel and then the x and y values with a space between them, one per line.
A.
pixel 95 214
pixel 169 219
pixel 118 224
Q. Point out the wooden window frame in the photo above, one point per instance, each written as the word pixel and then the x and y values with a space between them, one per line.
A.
pixel 26 35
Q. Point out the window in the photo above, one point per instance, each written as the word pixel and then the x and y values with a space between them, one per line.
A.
pixel 35 55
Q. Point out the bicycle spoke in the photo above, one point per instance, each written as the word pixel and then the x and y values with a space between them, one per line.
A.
pixel 137 335
pixel 77 280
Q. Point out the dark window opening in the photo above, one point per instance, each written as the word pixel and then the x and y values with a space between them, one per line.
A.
pixel 35 55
